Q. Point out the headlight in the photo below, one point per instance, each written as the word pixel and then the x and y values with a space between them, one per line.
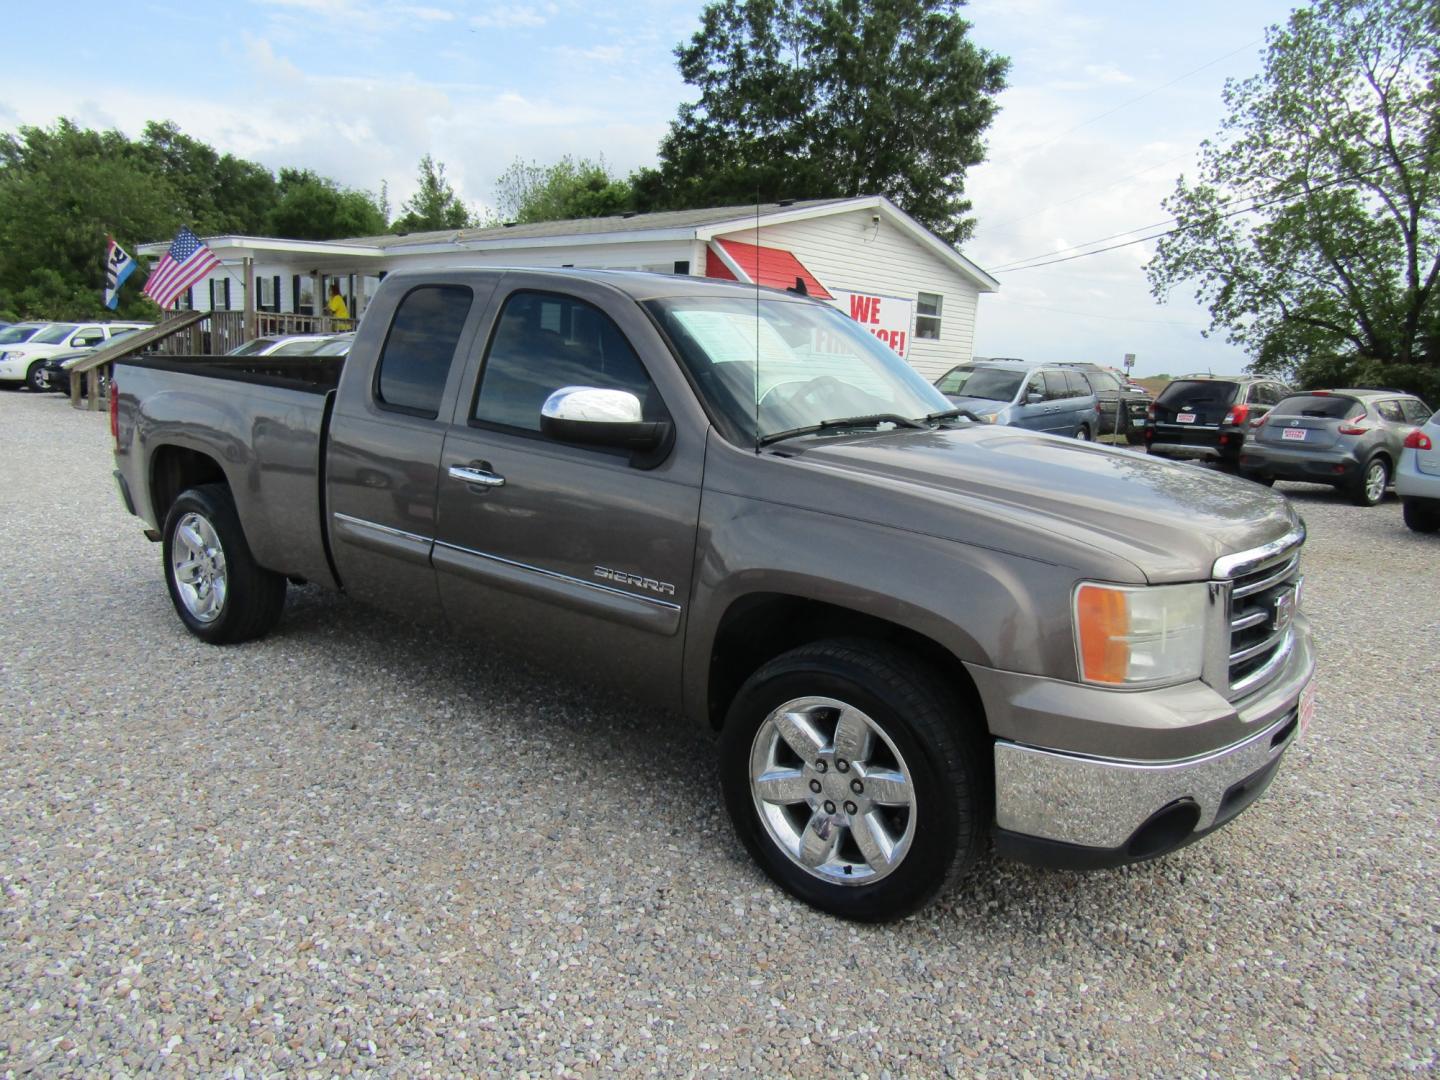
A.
pixel 1138 636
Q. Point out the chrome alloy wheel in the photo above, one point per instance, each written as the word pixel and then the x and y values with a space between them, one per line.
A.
pixel 833 791
pixel 1375 477
pixel 197 563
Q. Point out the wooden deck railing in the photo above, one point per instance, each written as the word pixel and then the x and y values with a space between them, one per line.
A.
pixel 220 331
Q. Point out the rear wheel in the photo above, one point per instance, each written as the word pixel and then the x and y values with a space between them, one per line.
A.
pixel 220 593
pixel 1422 516
pixel 854 778
pixel 1369 487
pixel 1083 433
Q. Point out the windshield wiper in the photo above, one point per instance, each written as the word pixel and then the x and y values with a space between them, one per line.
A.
pixel 951 414
pixel 842 422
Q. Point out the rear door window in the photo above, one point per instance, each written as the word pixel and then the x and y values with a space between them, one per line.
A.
pixel 416 358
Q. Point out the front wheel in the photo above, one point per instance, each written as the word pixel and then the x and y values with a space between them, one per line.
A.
pixel 854 778
pixel 220 593
pixel 1370 488
pixel 35 378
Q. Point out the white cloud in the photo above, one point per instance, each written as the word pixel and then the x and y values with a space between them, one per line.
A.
pixel 511 16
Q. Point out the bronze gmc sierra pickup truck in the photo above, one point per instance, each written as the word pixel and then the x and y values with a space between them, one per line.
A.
pixel 913 632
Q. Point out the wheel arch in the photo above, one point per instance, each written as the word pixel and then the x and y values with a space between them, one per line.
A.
pixel 758 627
pixel 174 469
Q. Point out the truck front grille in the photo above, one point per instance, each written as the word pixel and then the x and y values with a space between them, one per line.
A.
pixel 1262 604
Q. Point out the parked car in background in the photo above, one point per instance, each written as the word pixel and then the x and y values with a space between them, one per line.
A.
pixel 1207 416
pixel 1417 476
pixel 1124 406
pixel 22 364
pixel 337 345
pixel 1026 394
pixel 17 334
pixel 281 345
pixel 1350 439
pixel 55 371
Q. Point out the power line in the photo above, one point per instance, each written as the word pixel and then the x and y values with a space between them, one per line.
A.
pixel 1091 191
pixel 1093 315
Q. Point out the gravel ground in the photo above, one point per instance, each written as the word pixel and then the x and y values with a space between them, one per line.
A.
pixel 361 848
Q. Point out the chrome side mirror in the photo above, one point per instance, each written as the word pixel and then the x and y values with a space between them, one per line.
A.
pixel 1034 397
pixel 594 416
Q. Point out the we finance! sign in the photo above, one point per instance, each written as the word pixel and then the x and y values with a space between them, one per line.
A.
pixel 887 317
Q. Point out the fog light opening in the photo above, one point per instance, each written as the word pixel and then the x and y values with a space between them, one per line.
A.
pixel 1167 829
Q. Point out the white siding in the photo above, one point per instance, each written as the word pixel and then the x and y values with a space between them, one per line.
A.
pixel 660 256
pixel 850 252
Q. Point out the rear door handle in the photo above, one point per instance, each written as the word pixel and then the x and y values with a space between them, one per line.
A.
pixel 470 474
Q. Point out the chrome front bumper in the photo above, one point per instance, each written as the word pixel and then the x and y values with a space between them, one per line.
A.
pixel 1096 803
pixel 1060 808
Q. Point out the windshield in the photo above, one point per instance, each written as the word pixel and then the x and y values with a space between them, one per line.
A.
pixel 13 335
pixel 303 347
pixel 992 384
pixel 54 335
pixel 770 366
pixel 250 348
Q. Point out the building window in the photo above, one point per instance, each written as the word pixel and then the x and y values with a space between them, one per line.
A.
pixel 927 316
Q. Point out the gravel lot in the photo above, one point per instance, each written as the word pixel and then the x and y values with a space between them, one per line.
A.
pixel 362 848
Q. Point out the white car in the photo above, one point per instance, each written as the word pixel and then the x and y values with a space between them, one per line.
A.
pixel 22 363
pixel 281 345
pixel 1417 477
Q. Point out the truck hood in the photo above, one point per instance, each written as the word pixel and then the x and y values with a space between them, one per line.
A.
pixel 978 484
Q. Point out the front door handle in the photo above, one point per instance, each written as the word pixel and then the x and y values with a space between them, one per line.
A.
pixel 472 475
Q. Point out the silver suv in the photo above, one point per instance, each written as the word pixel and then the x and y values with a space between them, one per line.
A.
pixel 1350 439
pixel 1041 397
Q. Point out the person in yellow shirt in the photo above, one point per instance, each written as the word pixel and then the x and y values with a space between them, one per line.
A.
pixel 337 306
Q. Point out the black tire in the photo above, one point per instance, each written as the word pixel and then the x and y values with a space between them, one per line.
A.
pixel 1422 516
pixel 1082 433
pixel 253 597
pixel 1362 491
pixel 933 734
pixel 32 377
pixel 1135 438
pixel 1263 479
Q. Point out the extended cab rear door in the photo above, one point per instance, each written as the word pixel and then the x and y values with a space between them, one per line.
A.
pixel 577 553
pixel 393 407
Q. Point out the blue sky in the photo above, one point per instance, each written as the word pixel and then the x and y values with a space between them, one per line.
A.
pixel 1108 104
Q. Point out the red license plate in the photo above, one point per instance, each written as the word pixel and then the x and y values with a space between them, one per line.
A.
pixel 1296 433
pixel 1184 418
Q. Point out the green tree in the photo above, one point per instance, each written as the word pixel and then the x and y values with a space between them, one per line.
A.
pixel 62 189
pixel 830 98
pixel 313 207
pixel 434 204
pixel 571 188
pixel 1311 232
pixel 215 193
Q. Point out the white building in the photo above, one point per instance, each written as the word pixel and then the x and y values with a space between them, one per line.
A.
pixel 915 292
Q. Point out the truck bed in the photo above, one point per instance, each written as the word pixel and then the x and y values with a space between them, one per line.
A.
pixel 309 374
pixel 265 428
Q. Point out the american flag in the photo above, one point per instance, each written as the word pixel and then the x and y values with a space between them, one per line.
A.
pixel 187 261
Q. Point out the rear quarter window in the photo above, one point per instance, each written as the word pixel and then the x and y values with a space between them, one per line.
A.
pixel 419 348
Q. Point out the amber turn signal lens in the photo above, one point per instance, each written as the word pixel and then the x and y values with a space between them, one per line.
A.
pixel 1102 617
